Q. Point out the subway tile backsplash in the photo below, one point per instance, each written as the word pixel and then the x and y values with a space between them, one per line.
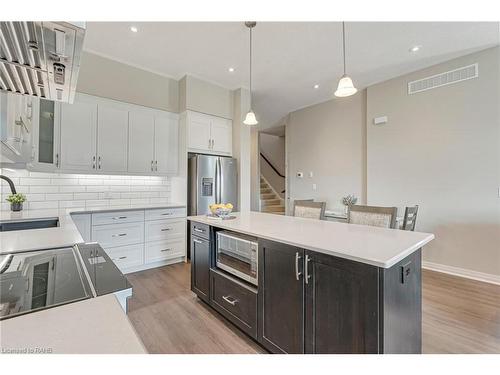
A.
pixel 59 190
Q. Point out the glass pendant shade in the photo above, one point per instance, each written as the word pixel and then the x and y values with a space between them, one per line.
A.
pixel 250 119
pixel 345 87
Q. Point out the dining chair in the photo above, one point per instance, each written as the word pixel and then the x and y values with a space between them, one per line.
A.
pixel 384 217
pixel 309 209
pixel 410 218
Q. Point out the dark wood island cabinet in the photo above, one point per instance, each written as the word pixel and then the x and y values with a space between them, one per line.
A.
pixel 311 302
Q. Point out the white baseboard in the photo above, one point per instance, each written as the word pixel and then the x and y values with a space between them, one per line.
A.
pixel 462 272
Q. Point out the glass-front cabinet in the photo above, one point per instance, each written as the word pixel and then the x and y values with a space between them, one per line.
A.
pixel 46 135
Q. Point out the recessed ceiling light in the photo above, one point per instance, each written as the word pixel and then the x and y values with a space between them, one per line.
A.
pixel 231 70
pixel 316 86
pixel 133 29
pixel 415 48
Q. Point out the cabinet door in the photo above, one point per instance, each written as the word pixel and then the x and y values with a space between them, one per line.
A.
pixel 166 145
pixel 140 142
pixel 341 306
pixel 198 129
pixel 281 295
pixel 200 267
pixel 78 136
pixel 221 133
pixel 112 139
pixel 46 137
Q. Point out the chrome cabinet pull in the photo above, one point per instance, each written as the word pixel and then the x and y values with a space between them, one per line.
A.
pixel 167 214
pixel 99 162
pixel 165 250
pixel 306 269
pixel 199 230
pixel 119 235
pixel 231 300
pixel 156 165
pixel 57 160
pixel 209 143
pixel 119 258
pixel 197 241
pixel 297 273
pixel 166 229
pixel 152 163
pixel 119 217
pixel 93 162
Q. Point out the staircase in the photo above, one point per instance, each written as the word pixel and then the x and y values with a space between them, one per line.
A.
pixel 270 202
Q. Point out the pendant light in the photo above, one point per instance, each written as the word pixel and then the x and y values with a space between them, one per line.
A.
pixel 250 117
pixel 345 87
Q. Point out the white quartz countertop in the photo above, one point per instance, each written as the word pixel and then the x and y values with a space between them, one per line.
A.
pixel 371 245
pixel 94 326
pixel 66 234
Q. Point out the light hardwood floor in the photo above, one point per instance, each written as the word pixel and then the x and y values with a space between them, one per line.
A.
pixel 459 315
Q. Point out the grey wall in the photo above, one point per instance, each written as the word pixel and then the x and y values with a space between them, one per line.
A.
pixel 328 139
pixel 441 149
pixel 101 76
pixel 202 96
pixel 273 148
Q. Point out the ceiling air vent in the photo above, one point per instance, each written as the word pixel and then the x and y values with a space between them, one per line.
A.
pixel 443 79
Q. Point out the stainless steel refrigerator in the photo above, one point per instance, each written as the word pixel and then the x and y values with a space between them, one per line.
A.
pixel 211 179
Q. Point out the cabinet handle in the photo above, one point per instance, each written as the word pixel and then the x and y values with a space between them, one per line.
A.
pixel 213 143
pixel 99 162
pixel 209 143
pixel 156 165
pixel 167 214
pixel 297 273
pixel 57 160
pixel 93 162
pixel 119 258
pixel 119 235
pixel 306 269
pixel 231 300
pixel 197 241
pixel 165 250
pixel 166 229
pixel 119 217
pixel 152 163
pixel 199 230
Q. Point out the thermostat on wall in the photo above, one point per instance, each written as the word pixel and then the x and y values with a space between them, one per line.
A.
pixel 380 120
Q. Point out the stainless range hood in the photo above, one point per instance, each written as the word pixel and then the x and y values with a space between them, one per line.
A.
pixel 41 59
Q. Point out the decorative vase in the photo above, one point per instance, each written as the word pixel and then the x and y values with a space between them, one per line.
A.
pixel 16 206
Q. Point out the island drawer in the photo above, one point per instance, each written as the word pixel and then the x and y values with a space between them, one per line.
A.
pixel 117 217
pixel 158 230
pixel 163 250
pixel 165 213
pixel 126 257
pixel 235 300
pixel 113 235
pixel 200 230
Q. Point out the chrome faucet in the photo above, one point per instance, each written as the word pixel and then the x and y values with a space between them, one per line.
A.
pixel 11 184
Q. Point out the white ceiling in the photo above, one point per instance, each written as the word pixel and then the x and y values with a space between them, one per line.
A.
pixel 289 57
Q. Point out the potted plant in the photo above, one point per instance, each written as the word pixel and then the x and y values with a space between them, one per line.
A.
pixel 348 201
pixel 16 201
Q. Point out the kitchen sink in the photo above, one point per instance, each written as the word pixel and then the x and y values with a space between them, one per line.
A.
pixel 10 225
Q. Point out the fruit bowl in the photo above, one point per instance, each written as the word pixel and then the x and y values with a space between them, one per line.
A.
pixel 221 210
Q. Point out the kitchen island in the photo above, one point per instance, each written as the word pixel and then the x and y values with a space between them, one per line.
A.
pixel 319 286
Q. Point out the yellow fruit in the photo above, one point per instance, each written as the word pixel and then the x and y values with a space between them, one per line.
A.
pixel 229 206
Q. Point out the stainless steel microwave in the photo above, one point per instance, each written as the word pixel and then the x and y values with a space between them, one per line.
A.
pixel 237 254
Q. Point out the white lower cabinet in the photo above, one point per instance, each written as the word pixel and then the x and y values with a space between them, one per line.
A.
pixel 137 239
pixel 126 257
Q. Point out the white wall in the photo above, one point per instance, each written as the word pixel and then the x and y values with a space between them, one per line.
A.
pixel 112 79
pixel 206 97
pixel 327 139
pixel 441 150
pixel 59 190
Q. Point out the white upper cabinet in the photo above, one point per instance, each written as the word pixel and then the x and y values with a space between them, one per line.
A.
pixel 141 142
pixel 166 144
pixel 209 134
pixel 112 138
pixel 221 133
pixel 79 135
pixel 198 129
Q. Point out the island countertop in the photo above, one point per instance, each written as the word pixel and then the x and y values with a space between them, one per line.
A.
pixel 362 243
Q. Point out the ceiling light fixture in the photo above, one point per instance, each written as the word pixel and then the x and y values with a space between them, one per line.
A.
pixel 316 86
pixel 231 70
pixel 133 29
pixel 345 87
pixel 415 49
pixel 250 117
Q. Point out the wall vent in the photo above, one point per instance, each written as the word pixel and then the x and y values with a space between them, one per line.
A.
pixel 443 79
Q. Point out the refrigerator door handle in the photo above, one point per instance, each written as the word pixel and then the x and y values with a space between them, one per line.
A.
pixel 217 184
